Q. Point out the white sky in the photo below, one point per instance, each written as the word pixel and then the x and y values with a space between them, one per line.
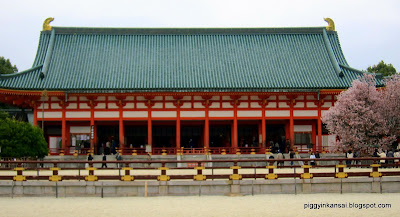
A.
pixel 369 30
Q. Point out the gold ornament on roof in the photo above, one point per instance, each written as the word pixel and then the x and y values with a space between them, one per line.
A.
pixel 46 24
pixel 331 24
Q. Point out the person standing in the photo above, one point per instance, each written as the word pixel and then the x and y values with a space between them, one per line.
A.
pixel 279 156
pixel 390 154
pixel 118 158
pixel 104 161
pixel 349 154
pixel 317 156
pixel 382 154
pixel 312 156
pixel 291 156
pixel 90 158
pixel 396 161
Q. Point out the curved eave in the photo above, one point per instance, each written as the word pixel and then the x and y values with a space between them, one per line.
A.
pixel 6 76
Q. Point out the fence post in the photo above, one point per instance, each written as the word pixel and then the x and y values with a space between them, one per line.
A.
pixel 235 175
pixel 238 151
pixel 306 174
pixel 19 176
pixel 127 177
pixel 199 176
pixel 163 176
pixel 375 173
pixel 55 177
pixel 223 151
pixel 91 177
pixel 271 174
pixel 341 174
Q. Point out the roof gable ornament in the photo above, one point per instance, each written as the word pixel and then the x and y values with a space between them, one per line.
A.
pixel 46 24
pixel 331 24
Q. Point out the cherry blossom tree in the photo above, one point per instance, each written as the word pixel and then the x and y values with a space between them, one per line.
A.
pixel 390 108
pixel 361 115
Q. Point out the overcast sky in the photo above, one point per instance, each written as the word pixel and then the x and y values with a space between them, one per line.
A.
pixel 369 30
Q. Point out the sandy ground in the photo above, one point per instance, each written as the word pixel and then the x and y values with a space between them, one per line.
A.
pixel 259 205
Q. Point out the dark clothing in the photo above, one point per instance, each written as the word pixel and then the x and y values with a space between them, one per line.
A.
pixel 90 158
pixel 390 154
pixel 291 155
pixel 104 164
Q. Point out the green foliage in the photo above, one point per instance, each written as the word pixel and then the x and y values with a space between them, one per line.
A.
pixel 21 139
pixel 6 67
pixel 383 68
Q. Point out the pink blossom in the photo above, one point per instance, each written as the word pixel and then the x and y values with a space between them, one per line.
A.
pixel 365 118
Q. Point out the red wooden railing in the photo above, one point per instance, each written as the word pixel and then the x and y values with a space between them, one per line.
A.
pixel 373 169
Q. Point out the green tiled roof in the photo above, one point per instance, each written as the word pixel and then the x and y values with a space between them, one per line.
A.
pixel 213 59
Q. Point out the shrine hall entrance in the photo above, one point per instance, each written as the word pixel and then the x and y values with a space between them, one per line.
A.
pixel 220 134
pixel 164 134
pixel 108 137
pixel 276 133
pixel 192 134
pixel 248 133
pixel 135 134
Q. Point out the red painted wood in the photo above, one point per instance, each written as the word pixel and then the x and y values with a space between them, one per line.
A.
pixel 319 145
pixel 63 129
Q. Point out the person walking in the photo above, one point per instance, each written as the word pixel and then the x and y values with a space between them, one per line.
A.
pixel 104 161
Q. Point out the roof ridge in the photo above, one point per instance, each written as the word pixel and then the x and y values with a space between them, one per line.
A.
pixel 189 31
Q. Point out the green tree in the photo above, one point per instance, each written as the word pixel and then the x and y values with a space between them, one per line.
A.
pixel 383 68
pixel 21 139
pixel 6 67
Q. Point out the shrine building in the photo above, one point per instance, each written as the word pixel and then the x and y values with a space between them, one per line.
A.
pixel 196 88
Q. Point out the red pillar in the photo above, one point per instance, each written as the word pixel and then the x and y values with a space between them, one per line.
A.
pixel 121 132
pixel 68 137
pixel 235 129
pixel 63 130
pixel 291 128
pixel 92 124
pixel 206 131
pixel 264 130
pixel 313 135
pixel 319 146
pixel 149 130
pixel 259 134
pixel 206 104
pixel 178 129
